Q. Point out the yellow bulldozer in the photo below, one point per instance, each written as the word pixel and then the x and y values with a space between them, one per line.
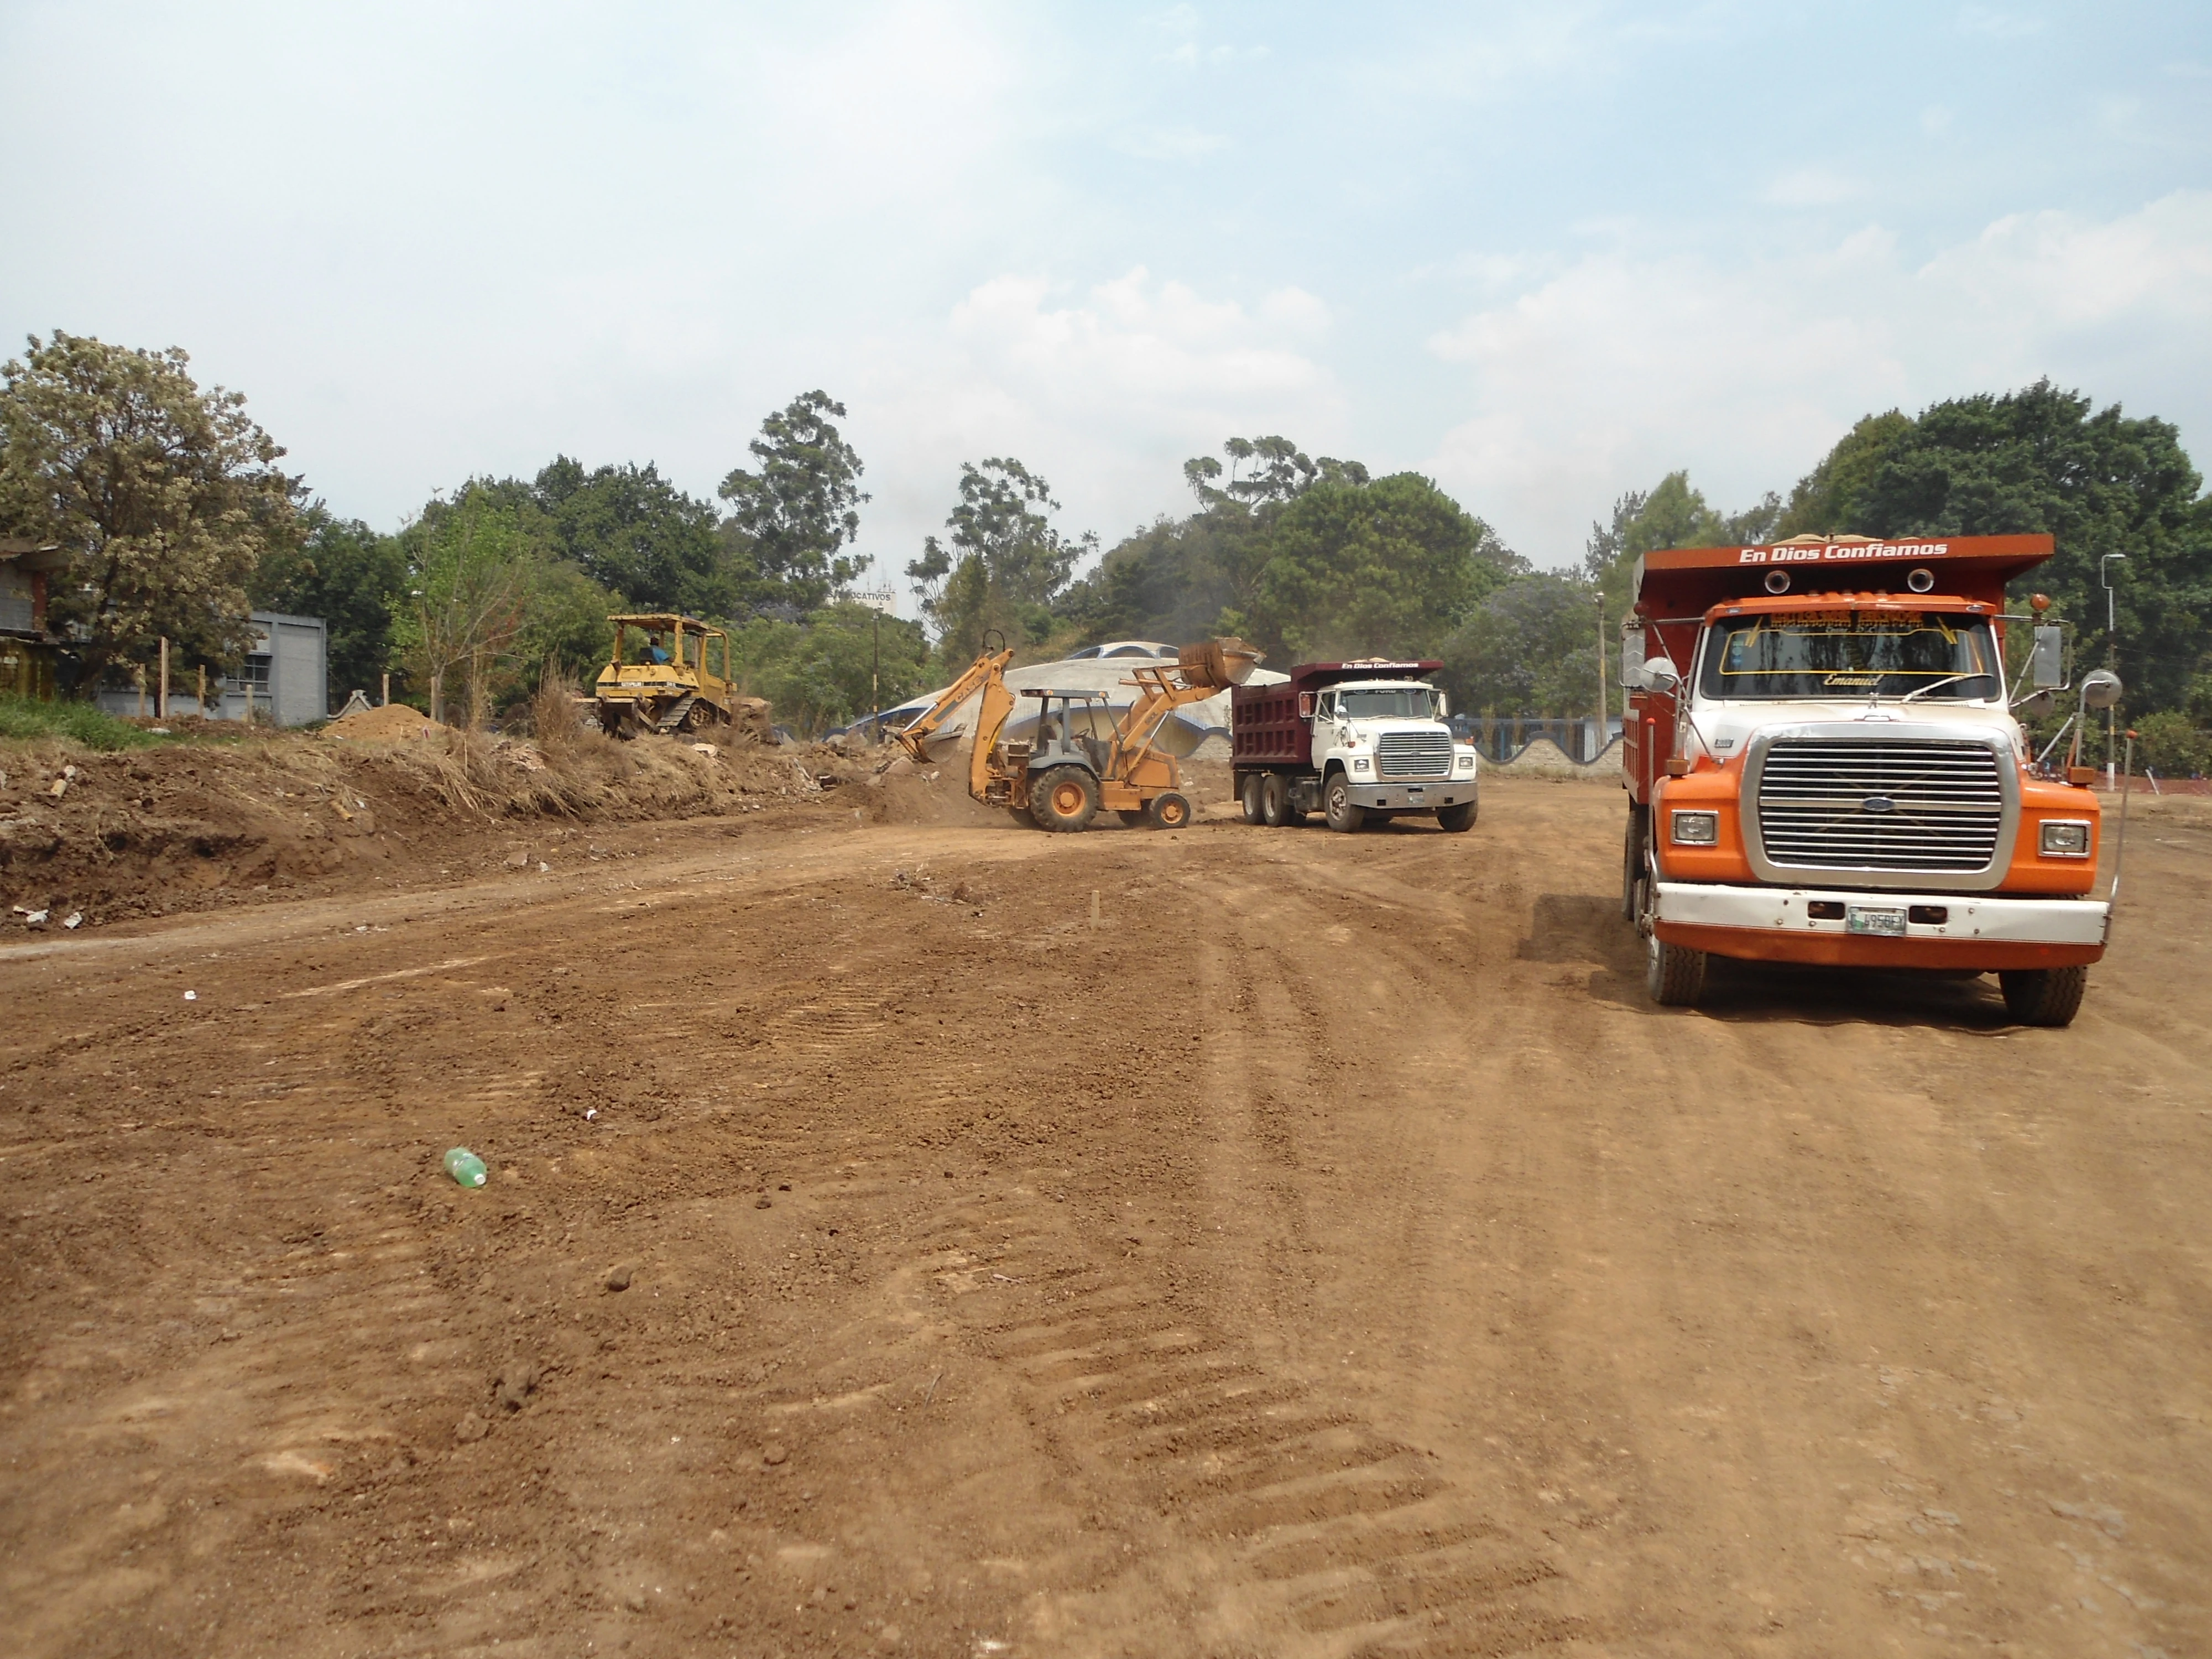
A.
pixel 680 682
pixel 1079 759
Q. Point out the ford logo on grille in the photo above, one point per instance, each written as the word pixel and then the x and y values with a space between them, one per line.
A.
pixel 1877 804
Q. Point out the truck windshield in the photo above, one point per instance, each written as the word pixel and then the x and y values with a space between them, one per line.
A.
pixel 1849 653
pixel 1404 703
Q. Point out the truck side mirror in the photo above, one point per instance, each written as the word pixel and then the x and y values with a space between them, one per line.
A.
pixel 1660 675
pixel 2046 666
pixel 1444 706
pixel 2101 690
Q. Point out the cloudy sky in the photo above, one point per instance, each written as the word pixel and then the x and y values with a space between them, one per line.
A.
pixel 1542 252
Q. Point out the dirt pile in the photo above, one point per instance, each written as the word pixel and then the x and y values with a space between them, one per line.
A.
pixel 187 826
pixel 394 722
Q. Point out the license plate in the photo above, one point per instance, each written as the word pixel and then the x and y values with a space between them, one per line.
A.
pixel 1414 796
pixel 1864 919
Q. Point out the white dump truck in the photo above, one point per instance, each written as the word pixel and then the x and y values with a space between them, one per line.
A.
pixel 1357 742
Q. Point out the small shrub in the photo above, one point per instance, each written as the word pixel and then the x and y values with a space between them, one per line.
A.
pixel 2173 746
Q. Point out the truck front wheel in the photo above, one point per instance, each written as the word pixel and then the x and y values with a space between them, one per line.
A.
pixel 1457 820
pixel 1673 974
pixel 1338 808
pixel 2044 996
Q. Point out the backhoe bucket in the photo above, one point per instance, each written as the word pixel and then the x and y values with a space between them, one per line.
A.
pixel 1217 663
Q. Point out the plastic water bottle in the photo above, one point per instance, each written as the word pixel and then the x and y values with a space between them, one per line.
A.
pixel 466 1167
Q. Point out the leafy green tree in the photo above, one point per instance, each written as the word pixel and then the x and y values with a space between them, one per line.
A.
pixel 351 577
pixel 2043 459
pixel 1172 580
pixel 473 564
pixel 1530 648
pixel 1367 568
pixel 632 532
pixel 819 674
pixel 1825 499
pixel 165 497
pixel 1264 469
pixel 802 506
pixel 1006 562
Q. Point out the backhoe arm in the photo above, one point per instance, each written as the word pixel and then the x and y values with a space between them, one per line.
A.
pixel 985 670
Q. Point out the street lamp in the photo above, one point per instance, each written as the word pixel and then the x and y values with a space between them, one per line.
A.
pixel 2111 655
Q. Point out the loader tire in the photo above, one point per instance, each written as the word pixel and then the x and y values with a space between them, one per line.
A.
pixel 1457 820
pixel 1674 973
pixel 1065 799
pixel 1248 797
pixel 1337 806
pixel 2044 996
pixel 1168 812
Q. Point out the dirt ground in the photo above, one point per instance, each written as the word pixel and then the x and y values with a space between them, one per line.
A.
pixel 1326 1252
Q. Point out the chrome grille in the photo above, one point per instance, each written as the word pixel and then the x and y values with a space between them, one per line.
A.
pixel 1414 754
pixel 1945 813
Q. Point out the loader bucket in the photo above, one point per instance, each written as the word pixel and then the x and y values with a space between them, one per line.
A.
pixel 1219 663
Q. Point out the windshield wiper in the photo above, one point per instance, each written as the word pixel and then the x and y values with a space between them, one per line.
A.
pixel 1937 685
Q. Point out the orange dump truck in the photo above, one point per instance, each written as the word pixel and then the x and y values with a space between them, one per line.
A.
pixel 1823 766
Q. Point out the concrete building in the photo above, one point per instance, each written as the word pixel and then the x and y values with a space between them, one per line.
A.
pixel 285 677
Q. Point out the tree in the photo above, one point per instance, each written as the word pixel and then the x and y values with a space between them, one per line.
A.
pixel 1264 469
pixel 1531 648
pixel 472 567
pixel 1005 564
pixel 344 572
pixel 1367 568
pixel 2042 459
pixel 802 506
pixel 631 531
pixel 165 498
pixel 822 672
pixel 1825 499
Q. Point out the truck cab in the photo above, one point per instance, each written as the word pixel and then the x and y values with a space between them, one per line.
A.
pixel 1359 742
pixel 1824 765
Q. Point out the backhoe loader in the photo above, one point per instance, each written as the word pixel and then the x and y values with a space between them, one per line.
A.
pixel 1080 760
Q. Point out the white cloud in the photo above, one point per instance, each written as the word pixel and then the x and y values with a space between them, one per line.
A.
pixel 1627 365
pixel 1813 188
pixel 1106 392
pixel 1171 143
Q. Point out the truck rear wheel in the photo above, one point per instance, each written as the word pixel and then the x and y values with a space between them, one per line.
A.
pixel 1457 820
pixel 2044 996
pixel 1274 800
pixel 1674 973
pixel 1065 799
pixel 1338 806
pixel 1248 797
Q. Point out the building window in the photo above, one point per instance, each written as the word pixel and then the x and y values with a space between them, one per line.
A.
pixel 254 672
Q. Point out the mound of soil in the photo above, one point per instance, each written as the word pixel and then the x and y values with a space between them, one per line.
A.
pixel 188 826
pixel 393 723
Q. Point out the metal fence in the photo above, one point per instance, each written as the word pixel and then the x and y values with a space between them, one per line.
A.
pixel 1502 737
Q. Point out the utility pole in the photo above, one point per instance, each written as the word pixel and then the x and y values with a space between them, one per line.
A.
pixel 2112 658
pixel 1597 731
pixel 161 701
pixel 879 600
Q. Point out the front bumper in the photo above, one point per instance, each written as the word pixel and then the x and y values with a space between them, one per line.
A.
pixel 1425 797
pixel 1979 932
